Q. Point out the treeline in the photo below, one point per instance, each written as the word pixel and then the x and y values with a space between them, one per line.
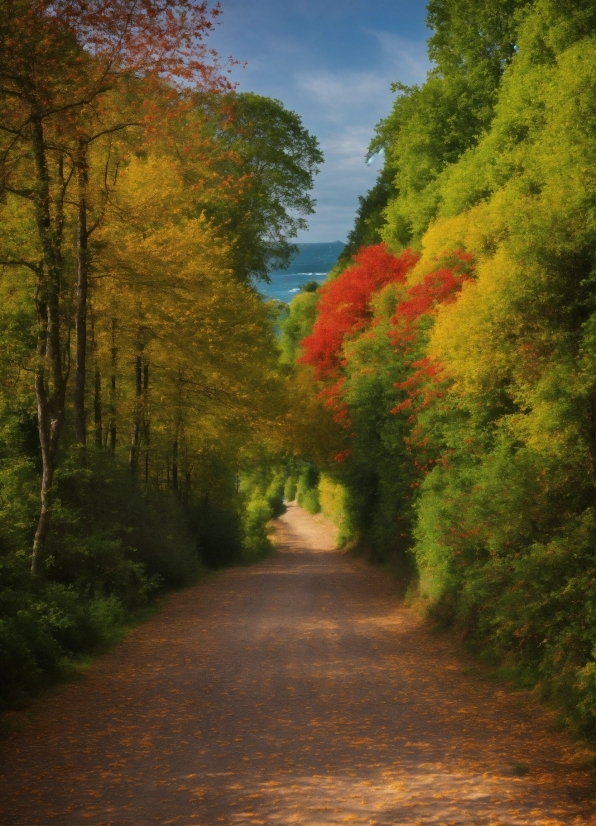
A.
pixel 140 396
pixel 454 344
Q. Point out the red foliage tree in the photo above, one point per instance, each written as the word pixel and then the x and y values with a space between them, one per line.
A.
pixel 344 307
pixel 438 287
pixel 424 383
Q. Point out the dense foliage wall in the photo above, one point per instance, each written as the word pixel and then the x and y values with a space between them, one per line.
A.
pixel 458 357
pixel 140 396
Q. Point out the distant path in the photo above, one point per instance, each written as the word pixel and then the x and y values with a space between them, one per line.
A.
pixel 296 691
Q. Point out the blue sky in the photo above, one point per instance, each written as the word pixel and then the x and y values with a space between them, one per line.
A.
pixel 332 62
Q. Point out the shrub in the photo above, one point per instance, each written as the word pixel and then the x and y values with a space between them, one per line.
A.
pixel 307 490
pixel 290 488
pixel 333 499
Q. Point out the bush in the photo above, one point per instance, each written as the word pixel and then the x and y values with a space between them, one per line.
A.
pixel 275 496
pixel 307 489
pixel 263 490
pixel 290 488
pixel 108 536
pixel 333 499
pixel 111 548
pixel 256 542
pixel 218 529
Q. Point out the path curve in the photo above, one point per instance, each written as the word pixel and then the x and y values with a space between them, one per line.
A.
pixel 295 691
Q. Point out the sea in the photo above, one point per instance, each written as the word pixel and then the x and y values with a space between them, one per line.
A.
pixel 312 263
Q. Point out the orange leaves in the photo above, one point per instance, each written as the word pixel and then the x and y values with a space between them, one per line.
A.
pixel 342 455
pixel 162 37
pixel 405 405
pixel 62 60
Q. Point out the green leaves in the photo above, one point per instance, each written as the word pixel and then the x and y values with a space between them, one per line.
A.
pixel 273 160
pixel 467 392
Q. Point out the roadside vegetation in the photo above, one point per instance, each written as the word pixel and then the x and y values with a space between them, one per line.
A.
pixel 141 199
pixel 453 345
pixel 434 397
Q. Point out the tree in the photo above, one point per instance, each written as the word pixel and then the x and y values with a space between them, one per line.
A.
pixel 370 217
pixel 474 39
pixel 504 539
pixel 59 63
pixel 344 306
pixel 197 343
pixel 298 324
pixel 431 126
pixel 368 348
pixel 273 160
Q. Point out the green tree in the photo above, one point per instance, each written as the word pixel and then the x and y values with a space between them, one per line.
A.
pixel 273 160
pixel 370 217
pixel 504 537
pixel 298 324
pixel 475 40
pixel 432 125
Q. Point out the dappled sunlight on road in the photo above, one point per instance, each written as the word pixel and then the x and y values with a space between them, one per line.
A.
pixel 424 795
pixel 298 691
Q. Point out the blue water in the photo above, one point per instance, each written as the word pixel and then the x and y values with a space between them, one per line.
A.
pixel 312 263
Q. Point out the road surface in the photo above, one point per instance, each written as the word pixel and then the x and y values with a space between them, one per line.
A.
pixel 295 691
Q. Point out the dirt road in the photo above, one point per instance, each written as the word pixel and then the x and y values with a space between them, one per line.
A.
pixel 296 691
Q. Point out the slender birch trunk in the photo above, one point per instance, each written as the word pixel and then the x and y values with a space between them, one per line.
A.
pixel 146 421
pixel 97 408
pixel 175 465
pixel 51 375
pixel 97 400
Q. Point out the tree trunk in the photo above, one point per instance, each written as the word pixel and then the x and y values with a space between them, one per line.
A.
pixel 97 404
pixel 47 474
pixel 175 466
pixel 177 434
pixel 112 424
pixel 82 290
pixel 146 423
pixel 49 286
pixel 97 411
pixel 51 375
pixel 133 456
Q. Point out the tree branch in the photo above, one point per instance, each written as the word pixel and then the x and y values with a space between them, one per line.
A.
pixel 19 262
pixel 118 128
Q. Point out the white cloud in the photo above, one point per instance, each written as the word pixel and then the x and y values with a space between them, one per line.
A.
pixel 342 96
pixel 407 58
pixel 333 65
pixel 354 88
pixel 343 178
pixel 347 151
pixel 349 104
pixel 332 223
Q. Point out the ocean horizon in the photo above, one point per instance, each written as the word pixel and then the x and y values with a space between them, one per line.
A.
pixel 313 263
